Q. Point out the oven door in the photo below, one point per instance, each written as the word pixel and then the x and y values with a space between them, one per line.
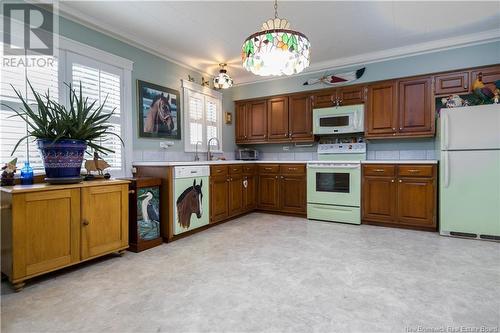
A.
pixel 334 184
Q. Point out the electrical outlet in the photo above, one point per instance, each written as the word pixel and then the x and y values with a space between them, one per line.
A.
pixel 166 144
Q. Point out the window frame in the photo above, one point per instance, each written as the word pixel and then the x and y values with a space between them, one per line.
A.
pixel 189 88
pixel 68 49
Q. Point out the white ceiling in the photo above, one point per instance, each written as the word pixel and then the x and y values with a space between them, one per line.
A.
pixel 201 34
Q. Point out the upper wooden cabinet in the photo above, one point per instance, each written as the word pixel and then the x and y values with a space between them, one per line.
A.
pixel 416 114
pixel 400 108
pixel 300 118
pixel 451 83
pixel 348 95
pixel 256 123
pixel 277 118
pixel 381 111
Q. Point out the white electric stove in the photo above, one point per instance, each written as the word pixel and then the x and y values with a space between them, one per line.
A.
pixel 334 183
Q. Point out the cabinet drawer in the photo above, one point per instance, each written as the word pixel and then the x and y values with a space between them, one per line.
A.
pixel 235 169
pixel 269 168
pixel 415 170
pixel 293 169
pixel 379 170
pixel 249 169
pixel 218 170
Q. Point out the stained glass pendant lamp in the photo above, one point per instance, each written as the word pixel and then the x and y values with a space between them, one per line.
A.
pixel 276 50
pixel 222 80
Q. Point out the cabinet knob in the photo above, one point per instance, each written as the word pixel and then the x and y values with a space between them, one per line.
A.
pixel 282 177
pixel 85 222
pixel 392 180
pixel 394 129
pixel 400 181
pixel 286 134
pixel 401 128
pixel 276 177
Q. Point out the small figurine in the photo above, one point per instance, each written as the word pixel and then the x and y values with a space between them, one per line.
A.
pixel 9 169
pixel 496 97
pixel 478 83
pixel 96 164
pixel 454 101
pixel 205 83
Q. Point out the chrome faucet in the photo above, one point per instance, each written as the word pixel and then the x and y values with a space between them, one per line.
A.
pixel 196 157
pixel 209 153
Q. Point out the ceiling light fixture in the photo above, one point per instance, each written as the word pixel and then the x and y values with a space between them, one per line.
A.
pixel 222 80
pixel 276 50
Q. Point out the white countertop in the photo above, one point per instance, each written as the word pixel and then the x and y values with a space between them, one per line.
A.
pixel 166 163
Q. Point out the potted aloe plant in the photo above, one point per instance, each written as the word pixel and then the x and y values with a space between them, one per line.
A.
pixel 63 134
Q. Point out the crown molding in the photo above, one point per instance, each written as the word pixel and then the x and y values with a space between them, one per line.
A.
pixel 440 45
pixel 106 29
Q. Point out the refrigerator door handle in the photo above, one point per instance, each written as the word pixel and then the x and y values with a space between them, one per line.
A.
pixel 446 131
pixel 446 166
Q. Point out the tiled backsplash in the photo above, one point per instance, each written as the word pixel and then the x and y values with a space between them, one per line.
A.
pixel 176 156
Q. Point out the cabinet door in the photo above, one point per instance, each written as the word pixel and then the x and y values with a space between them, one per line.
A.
pixel 249 193
pixel 268 192
pixel 381 112
pixel 277 118
pixel 351 95
pixel 325 98
pixel 46 232
pixel 256 125
pixel 451 83
pixel 219 198
pixel 104 219
pixel 415 106
pixel 416 202
pixel 293 194
pixel 240 122
pixel 235 195
pixel 378 199
pixel 300 118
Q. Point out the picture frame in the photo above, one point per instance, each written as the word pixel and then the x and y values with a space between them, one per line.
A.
pixel 159 111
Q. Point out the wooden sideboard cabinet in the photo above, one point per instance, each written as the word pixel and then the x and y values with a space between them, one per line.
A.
pixel 48 227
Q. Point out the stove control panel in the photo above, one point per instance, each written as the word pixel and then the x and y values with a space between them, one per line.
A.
pixel 342 148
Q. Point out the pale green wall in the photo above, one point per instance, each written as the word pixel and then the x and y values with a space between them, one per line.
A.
pixel 473 56
pixel 147 67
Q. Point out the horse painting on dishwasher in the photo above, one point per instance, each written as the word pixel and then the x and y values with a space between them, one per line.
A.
pixel 189 203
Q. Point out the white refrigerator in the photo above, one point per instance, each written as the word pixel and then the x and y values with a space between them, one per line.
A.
pixel 470 172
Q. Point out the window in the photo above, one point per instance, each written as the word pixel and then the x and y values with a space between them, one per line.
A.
pixel 13 128
pixel 99 80
pixel 203 118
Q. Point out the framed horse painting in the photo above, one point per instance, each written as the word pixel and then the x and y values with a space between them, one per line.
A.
pixel 159 111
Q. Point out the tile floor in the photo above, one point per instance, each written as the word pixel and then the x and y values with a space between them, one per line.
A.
pixel 267 273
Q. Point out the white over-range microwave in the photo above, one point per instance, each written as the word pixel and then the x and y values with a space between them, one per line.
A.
pixel 339 119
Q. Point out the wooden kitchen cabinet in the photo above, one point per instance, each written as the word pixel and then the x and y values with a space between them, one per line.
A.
pixel 451 83
pixel 300 118
pixel 416 112
pixel 240 122
pixel 219 197
pixel 235 195
pixel 351 95
pixel 400 195
pixel 256 123
pixel 381 113
pixel 324 98
pixel 48 227
pixel 282 187
pixel 277 118
pixel 489 74
pixel 250 190
pixel 400 108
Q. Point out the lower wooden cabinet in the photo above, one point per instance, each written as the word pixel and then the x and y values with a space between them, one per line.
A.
pixel 235 195
pixel 402 195
pixel 219 198
pixel 47 227
pixel 249 192
pixel 282 188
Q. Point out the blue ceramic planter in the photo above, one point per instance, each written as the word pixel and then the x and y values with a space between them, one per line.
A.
pixel 62 159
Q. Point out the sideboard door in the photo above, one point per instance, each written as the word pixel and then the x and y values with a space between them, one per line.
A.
pixel 46 235
pixel 104 219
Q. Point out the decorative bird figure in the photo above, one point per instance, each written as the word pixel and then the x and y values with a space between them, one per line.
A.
pixel 340 78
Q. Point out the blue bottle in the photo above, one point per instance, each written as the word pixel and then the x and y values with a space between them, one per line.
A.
pixel 27 174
